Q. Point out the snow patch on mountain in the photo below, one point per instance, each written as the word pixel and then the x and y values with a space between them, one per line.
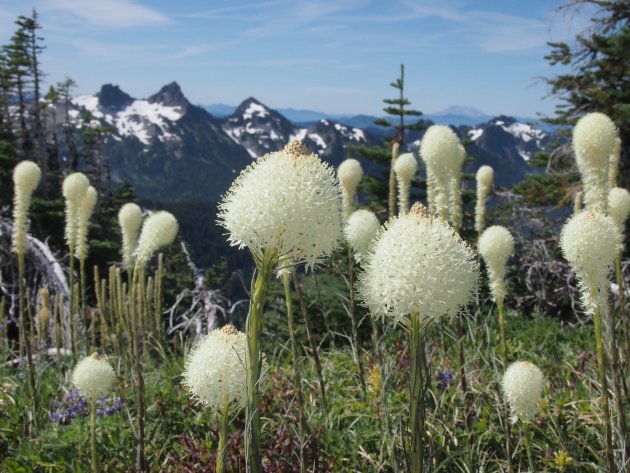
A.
pixel 255 109
pixel 134 120
pixel 475 133
pixel 524 131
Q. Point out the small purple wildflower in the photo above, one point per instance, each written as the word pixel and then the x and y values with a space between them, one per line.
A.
pixel 75 405
pixel 445 379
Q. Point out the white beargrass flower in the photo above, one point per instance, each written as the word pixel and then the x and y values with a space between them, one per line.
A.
pixel 418 264
pixel 441 151
pixel 26 177
pixel 594 140
pixel 362 227
pixel 74 188
pixel 619 206
pixel 484 176
pixel 455 210
pixel 158 230
pixel 405 168
pixel 287 203
pixel 215 369
pixel 523 385
pixel 496 245
pixel 615 157
pixel 130 220
pixel 349 173
pixel 85 213
pixel 93 377
pixel 590 242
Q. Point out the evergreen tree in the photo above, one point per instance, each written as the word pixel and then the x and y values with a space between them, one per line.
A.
pixel 599 75
pixel 376 189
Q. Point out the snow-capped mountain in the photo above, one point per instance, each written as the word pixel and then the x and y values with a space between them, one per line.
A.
pixel 260 130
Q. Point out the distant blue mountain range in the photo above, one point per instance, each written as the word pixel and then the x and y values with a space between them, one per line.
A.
pixel 456 115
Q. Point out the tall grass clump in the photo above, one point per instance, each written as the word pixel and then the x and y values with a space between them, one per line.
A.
pixel 419 270
pixel 270 209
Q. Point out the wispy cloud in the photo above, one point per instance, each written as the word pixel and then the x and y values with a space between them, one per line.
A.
pixel 234 12
pixel 108 13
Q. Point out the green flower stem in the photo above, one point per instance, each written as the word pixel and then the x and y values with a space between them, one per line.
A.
pixel 95 467
pixel 625 318
pixel 601 361
pixel 392 187
pixel 297 378
pixel 253 327
pixel 617 382
pixel 504 358
pixel 353 318
pixel 24 324
pixel 138 353
pixel 527 439
pixel 418 387
pixel 83 306
pixel 223 431
pixel 71 301
pixel 311 338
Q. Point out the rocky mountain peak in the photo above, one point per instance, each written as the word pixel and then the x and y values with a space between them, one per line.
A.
pixel 111 96
pixel 170 95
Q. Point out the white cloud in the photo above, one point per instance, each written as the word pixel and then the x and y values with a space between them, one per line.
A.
pixel 108 13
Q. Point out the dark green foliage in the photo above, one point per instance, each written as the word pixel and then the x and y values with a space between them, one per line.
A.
pixel 540 189
pixel 599 75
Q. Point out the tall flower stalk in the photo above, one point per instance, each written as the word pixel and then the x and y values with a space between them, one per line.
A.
pixel 93 377
pixel 83 220
pixel 392 182
pixel 74 188
pixel 401 281
pixel 215 376
pixel 270 209
pixel 159 230
pixel 590 242
pixel 26 177
pixel 405 167
pixel 484 176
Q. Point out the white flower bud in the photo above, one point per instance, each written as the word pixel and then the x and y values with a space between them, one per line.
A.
pixel 85 213
pixel 130 220
pixel 418 264
pixel 287 203
pixel 362 227
pixel 26 177
pixel 158 230
pixel 215 369
pixel 496 245
pixel 523 384
pixel 93 377
pixel 74 188
pixel 619 206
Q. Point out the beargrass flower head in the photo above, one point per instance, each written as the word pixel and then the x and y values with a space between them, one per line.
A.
pixel 215 369
pixel 619 206
pixel 594 140
pixel 85 213
pixel 93 377
pixel 523 385
pixel 362 227
pixel 130 220
pixel 74 188
pixel 440 149
pixel 496 245
pixel 590 242
pixel 406 167
pixel 350 173
pixel 485 176
pixel 418 264
pixel 286 203
pixel 26 177
pixel 159 230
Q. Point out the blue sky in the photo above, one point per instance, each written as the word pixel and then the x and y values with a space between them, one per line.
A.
pixel 336 56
